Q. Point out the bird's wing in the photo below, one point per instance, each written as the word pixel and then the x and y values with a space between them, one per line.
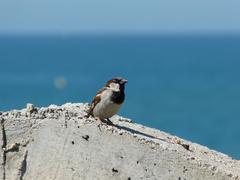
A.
pixel 95 101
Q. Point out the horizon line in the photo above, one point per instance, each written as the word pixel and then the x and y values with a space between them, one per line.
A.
pixel 69 34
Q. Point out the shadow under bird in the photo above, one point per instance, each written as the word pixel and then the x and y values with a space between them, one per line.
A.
pixel 108 99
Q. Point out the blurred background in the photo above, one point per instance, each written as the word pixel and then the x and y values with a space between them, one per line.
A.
pixel 182 60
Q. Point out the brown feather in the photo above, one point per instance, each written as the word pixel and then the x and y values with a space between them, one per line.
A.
pixel 95 101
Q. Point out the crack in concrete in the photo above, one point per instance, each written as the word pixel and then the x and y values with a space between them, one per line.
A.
pixel 23 167
pixel 13 148
pixel 4 144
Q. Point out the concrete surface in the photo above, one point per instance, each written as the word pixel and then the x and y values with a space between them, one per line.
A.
pixel 59 143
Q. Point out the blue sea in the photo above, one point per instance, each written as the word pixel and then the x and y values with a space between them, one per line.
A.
pixel 187 85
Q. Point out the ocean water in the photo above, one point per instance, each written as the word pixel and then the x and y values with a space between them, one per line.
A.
pixel 188 86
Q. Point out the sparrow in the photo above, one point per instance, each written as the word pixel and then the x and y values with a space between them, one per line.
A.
pixel 108 100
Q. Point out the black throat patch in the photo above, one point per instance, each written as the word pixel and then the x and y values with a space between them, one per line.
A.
pixel 118 97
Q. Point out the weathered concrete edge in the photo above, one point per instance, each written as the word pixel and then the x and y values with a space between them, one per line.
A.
pixel 209 159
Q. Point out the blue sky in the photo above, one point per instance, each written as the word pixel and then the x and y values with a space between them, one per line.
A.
pixel 123 16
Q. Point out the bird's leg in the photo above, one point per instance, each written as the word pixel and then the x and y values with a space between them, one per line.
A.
pixel 103 121
pixel 109 122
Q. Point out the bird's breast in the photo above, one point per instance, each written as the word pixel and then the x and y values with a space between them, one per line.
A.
pixel 106 108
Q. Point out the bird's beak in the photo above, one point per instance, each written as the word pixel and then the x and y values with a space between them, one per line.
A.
pixel 123 81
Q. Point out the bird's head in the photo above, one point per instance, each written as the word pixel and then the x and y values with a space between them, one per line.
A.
pixel 117 83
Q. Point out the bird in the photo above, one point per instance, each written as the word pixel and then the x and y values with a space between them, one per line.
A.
pixel 108 100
